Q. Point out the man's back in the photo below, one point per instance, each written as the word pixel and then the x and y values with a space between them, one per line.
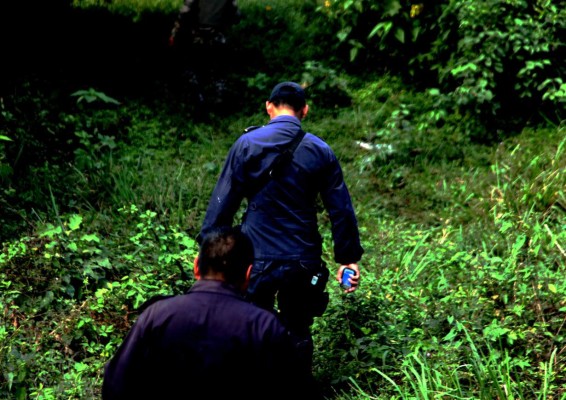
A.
pixel 207 342
pixel 281 219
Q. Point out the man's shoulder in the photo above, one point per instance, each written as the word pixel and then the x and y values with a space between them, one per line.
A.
pixel 153 300
pixel 252 128
pixel 249 133
pixel 318 143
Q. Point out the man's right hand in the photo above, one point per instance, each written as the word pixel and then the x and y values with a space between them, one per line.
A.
pixel 355 279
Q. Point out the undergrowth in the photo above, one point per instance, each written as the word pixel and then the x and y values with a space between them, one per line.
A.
pixel 462 293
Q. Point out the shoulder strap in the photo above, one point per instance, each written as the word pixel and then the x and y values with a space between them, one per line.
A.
pixel 286 154
pixel 283 157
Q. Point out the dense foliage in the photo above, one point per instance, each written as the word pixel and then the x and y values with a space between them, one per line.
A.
pixel 494 59
pixel 448 120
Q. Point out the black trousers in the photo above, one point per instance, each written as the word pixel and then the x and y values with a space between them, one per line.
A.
pixel 296 291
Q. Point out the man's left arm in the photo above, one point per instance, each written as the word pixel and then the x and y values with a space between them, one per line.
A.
pixel 345 232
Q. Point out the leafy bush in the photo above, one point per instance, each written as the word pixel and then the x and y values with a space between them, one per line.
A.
pixel 68 294
pixel 492 58
pixel 507 58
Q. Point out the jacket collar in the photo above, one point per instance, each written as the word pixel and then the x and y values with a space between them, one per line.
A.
pixel 213 286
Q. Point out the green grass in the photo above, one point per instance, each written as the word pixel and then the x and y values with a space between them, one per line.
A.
pixel 462 294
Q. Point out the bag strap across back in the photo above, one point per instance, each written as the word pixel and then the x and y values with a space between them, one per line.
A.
pixel 286 155
pixel 280 160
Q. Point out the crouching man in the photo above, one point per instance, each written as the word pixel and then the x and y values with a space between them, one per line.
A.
pixel 210 342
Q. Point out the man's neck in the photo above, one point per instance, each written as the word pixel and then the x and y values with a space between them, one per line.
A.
pixel 280 111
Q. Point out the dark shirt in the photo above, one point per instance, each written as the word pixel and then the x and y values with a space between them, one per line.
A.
pixel 281 219
pixel 209 343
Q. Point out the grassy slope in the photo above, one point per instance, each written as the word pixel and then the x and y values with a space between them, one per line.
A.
pixel 464 242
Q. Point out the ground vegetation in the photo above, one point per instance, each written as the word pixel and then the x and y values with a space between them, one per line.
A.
pixel 447 117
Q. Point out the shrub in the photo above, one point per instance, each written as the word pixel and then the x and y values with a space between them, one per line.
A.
pixel 491 58
pixel 67 299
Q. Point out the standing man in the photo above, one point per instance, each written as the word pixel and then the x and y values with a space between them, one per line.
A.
pixel 200 43
pixel 281 214
pixel 210 342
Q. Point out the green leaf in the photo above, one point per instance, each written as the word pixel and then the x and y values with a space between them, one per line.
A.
pixel 75 222
pixel 342 35
pixel 353 53
pixel 90 238
pixel 400 35
pixel 451 335
pixel 381 29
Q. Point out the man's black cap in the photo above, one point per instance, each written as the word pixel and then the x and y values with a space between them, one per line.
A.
pixel 289 93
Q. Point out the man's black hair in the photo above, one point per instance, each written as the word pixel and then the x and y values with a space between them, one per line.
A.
pixel 226 250
pixel 288 93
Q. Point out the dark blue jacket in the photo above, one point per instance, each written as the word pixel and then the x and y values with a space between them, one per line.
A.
pixel 208 343
pixel 281 219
